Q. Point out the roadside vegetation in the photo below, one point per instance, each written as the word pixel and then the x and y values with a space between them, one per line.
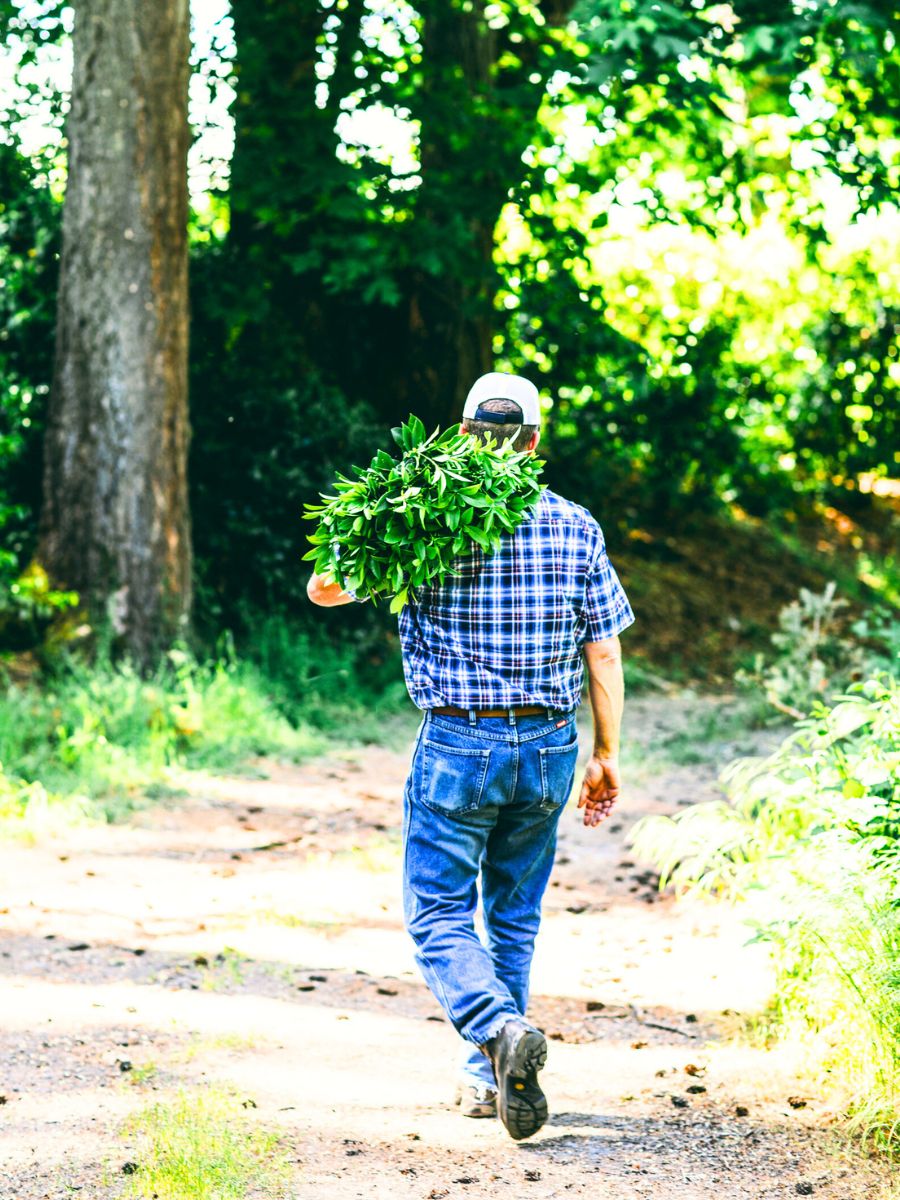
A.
pixel 199 1145
pixel 82 741
pixel 807 841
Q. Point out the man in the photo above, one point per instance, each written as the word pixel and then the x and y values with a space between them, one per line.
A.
pixel 494 658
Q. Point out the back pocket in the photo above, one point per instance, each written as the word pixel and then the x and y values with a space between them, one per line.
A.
pixel 453 777
pixel 557 773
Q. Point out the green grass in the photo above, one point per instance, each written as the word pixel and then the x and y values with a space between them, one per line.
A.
pixel 354 686
pixel 200 1045
pixel 225 970
pixel 96 741
pixel 200 1145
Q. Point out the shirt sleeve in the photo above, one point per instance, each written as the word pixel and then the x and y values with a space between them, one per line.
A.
pixel 606 608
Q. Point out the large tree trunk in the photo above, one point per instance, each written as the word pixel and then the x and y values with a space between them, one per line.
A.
pixel 115 523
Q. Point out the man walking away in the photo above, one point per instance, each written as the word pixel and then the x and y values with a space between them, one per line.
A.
pixel 495 656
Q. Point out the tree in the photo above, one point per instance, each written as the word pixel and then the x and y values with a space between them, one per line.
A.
pixel 115 523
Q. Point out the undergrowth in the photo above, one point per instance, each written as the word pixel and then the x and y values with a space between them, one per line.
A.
pixel 89 741
pixel 808 840
pixel 201 1146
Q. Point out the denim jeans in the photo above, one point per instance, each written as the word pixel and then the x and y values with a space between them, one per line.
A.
pixel 482 798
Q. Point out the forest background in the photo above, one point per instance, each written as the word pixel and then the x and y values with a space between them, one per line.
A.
pixel 677 217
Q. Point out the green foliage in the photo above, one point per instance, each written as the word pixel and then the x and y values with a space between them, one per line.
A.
pixel 29 605
pixel 819 652
pixel 808 840
pixel 649 209
pixel 199 1145
pixel 102 738
pixel 29 242
pixel 96 740
pixel 401 524
pixel 333 683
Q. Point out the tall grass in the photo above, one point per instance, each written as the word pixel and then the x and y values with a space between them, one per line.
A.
pixel 809 842
pixel 99 739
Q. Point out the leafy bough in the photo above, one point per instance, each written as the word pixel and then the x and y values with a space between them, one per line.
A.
pixel 402 523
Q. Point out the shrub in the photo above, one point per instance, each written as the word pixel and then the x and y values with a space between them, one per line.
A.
pixel 810 840
pixel 819 652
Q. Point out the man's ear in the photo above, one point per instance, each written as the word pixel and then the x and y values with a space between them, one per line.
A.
pixel 535 438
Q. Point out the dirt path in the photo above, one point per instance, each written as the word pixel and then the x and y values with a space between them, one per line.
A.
pixel 252 935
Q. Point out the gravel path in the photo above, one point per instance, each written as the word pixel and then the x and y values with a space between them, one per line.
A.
pixel 251 935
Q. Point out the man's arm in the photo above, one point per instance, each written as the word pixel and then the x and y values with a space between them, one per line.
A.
pixel 322 590
pixel 606 685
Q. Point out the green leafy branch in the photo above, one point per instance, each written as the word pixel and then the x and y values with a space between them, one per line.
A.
pixel 402 523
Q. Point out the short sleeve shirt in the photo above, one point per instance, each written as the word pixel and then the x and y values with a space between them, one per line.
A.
pixel 507 629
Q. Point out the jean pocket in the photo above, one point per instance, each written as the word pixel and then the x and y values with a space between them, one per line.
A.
pixel 453 777
pixel 557 773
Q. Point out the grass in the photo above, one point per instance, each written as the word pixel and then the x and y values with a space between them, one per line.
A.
pixel 200 1146
pixel 201 1044
pixel 225 970
pixel 95 742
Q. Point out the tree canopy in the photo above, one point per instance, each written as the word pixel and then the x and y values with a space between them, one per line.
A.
pixel 677 217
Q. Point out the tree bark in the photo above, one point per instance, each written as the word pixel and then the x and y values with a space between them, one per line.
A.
pixel 115 523
pixel 476 121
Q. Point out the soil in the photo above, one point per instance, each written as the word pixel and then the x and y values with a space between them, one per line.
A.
pixel 250 935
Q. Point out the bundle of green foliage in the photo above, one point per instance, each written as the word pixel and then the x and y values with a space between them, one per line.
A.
pixel 809 840
pixel 403 522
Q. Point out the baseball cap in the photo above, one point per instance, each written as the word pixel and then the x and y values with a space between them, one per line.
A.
pixel 497 385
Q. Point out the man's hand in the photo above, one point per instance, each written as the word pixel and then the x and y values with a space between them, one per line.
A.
pixel 600 789
pixel 322 590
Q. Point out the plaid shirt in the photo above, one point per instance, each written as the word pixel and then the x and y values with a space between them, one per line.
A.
pixel 507 629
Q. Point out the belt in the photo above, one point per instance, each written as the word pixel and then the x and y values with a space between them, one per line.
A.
pixel 528 710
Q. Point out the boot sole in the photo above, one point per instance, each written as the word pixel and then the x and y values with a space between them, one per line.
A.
pixel 522 1105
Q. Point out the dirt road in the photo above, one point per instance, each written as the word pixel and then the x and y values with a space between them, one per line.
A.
pixel 251 934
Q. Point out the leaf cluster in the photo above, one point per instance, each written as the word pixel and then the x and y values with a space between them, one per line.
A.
pixel 402 523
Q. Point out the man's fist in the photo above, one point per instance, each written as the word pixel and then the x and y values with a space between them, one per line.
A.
pixel 600 789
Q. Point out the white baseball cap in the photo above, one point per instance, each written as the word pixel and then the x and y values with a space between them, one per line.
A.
pixel 497 385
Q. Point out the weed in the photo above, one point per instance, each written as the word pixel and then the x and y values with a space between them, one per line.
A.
pixel 810 841
pixel 226 970
pixel 201 1045
pixel 143 1074
pixel 200 1146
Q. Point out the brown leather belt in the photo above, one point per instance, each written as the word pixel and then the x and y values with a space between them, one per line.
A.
pixel 528 710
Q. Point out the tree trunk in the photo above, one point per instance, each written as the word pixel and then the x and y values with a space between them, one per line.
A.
pixel 477 117
pixel 115 523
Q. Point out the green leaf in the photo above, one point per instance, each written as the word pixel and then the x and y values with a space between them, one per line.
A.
pixel 399 600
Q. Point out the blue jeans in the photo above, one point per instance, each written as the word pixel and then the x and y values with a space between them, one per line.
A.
pixel 484 798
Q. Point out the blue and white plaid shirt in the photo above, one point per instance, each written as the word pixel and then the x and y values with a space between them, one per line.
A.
pixel 507 629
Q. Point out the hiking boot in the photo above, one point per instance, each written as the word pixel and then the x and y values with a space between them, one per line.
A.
pixel 476 1099
pixel 517 1053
